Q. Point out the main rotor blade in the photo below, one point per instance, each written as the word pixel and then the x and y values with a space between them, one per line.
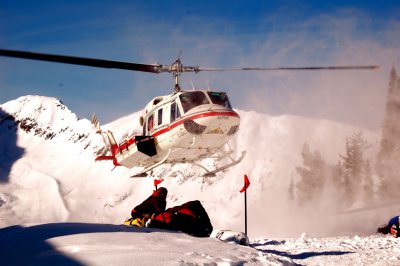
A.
pixel 155 68
pixel 83 61
pixel 197 69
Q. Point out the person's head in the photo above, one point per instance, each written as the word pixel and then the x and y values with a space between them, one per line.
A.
pixel 162 192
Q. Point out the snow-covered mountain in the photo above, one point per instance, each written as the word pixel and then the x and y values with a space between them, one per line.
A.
pixel 48 173
pixel 52 160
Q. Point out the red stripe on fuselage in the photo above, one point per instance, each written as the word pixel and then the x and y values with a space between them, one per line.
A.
pixel 131 141
pixel 193 117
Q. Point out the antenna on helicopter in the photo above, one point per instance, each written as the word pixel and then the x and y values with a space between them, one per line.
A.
pixel 208 85
pixel 193 87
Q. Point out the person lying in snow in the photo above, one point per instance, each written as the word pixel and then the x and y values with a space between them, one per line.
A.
pixel 392 227
pixel 154 204
pixel 190 217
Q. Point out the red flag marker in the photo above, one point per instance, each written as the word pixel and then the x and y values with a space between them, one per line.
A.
pixel 157 182
pixel 246 184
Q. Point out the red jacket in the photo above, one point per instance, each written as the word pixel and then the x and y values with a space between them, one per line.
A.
pixel 153 204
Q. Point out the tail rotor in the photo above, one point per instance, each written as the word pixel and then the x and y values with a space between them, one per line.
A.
pixel 96 123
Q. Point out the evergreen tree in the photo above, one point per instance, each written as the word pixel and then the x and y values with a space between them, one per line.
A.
pixel 338 185
pixel 388 166
pixel 312 175
pixel 353 168
pixel 368 184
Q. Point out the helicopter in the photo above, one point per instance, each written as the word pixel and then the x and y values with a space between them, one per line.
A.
pixel 186 126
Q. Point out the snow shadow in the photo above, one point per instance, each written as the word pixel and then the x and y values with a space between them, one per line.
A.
pixel 306 255
pixel 10 152
pixel 28 246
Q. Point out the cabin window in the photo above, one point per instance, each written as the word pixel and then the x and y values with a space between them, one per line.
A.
pixel 175 114
pixel 159 121
pixel 192 99
pixel 150 123
pixel 219 98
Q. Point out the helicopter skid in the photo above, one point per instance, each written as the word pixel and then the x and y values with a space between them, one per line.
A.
pixel 212 173
pixel 208 173
pixel 152 166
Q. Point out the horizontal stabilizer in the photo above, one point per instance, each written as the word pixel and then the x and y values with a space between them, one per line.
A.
pixel 104 158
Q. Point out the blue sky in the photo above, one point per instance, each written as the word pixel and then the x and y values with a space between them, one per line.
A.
pixel 209 34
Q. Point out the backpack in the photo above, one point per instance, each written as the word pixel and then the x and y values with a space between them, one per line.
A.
pixel 190 218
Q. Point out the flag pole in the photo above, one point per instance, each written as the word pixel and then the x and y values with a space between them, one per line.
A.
pixel 245 211
pixel 244 189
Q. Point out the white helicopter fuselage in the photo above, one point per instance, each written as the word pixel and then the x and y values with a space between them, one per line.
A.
pixel 183 127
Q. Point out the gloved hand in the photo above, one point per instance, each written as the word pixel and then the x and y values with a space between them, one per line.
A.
pixel 148 223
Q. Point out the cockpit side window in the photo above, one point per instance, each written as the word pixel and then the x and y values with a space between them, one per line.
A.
pixel 175 113
pixel 191 99
pixel 220 98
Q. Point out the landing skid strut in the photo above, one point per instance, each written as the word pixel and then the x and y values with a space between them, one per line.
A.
pixel 150 167
pixel 213 172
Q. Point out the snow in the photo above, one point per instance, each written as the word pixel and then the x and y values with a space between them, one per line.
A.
pixel 58 206
pixel 351 250
pixel 107 244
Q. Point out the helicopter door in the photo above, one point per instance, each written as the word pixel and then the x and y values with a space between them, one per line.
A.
pixel 145 143
pixel 150 124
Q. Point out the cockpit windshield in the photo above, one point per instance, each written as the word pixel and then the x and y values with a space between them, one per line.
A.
pixel 192 99
pixel 220 98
